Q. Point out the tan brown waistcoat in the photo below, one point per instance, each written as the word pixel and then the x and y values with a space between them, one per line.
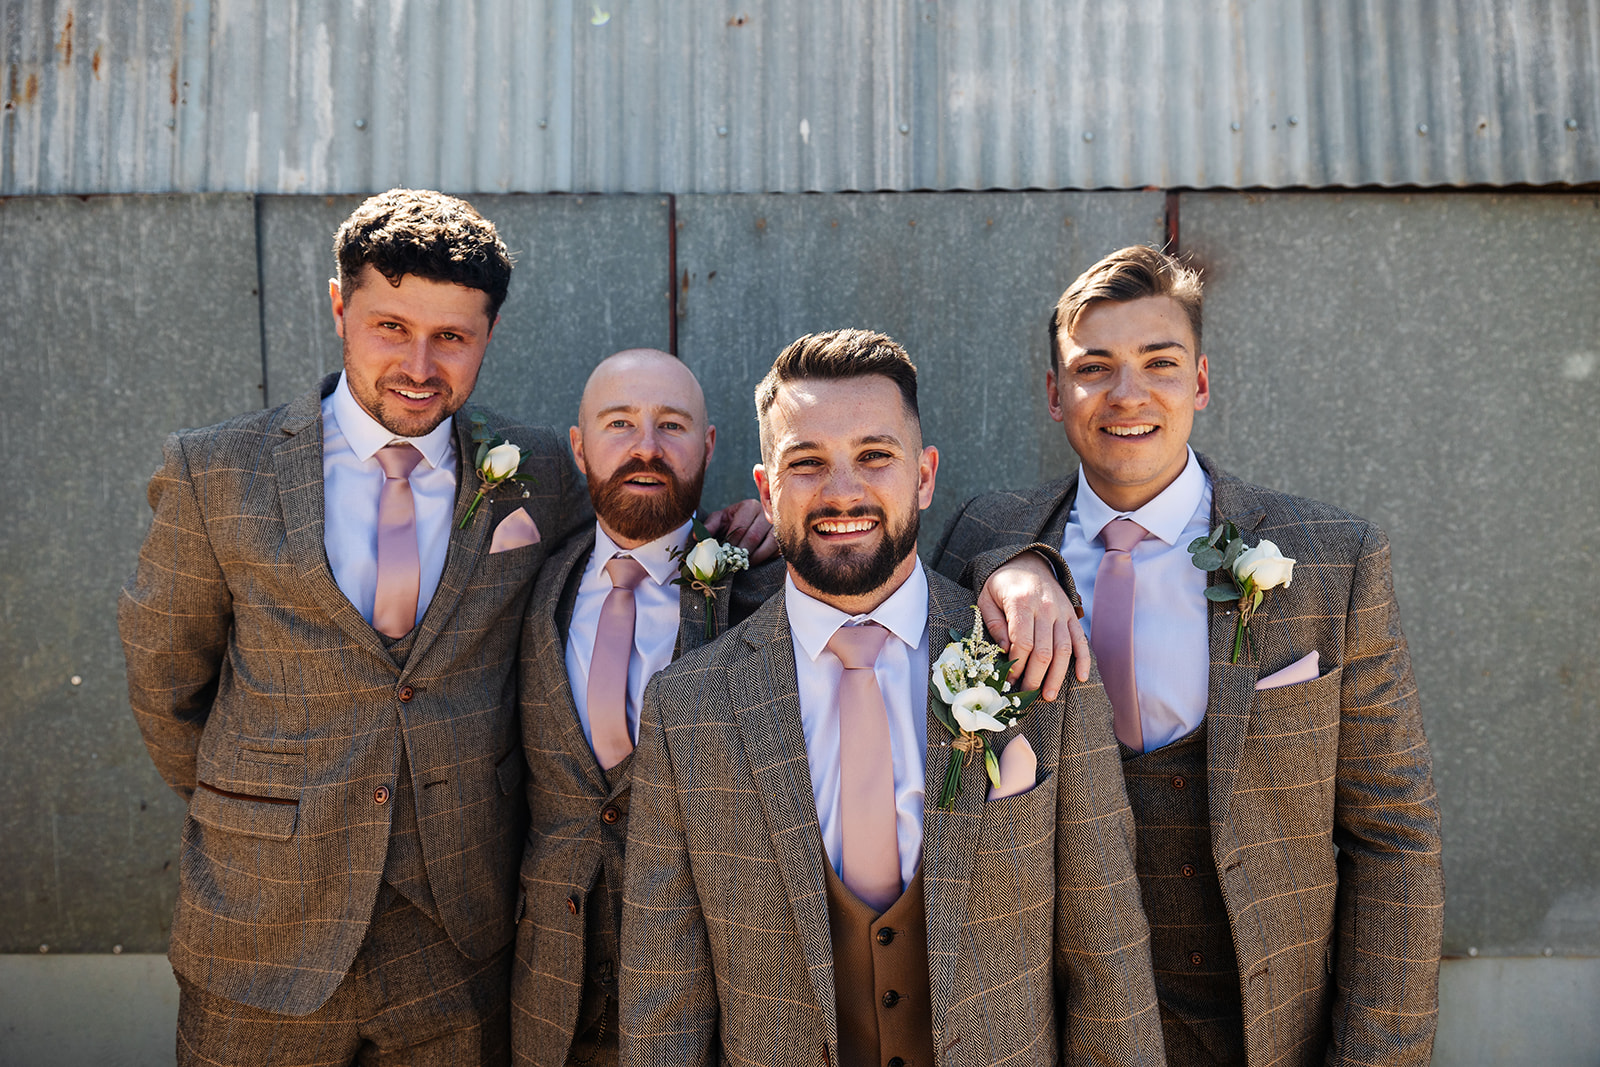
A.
pixel 880 978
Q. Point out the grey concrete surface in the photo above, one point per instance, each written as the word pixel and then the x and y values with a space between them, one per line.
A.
pixel 964 282
pixel 122 318
pixel 1431 362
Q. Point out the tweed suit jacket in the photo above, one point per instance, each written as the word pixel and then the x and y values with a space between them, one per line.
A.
pixel 1037 945
pixel 1324 820
pixel 572 849
pixel 278 712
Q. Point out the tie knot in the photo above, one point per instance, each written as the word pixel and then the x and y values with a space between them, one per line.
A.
pixel 625 572
pixel 858 646
pixel 1120 535
pixel 397 461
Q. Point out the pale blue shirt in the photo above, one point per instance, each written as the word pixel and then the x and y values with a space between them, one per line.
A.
pixel 656 618
pixel 1171 644
pixel 902 671
pixel 351 482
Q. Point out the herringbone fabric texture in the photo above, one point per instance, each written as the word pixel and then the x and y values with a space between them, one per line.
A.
pixel 250 672
pixel 572 866
pixel 1037 945
pixel 1338 951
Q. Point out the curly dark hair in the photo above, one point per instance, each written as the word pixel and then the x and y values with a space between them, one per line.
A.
pixel 433 236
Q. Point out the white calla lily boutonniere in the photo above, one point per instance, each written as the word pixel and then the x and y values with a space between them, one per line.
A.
pixel 1249 572
pixel 971 697
pixel 705 561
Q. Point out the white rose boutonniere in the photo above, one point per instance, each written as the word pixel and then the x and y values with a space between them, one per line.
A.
pixel 497 462
pixel 969 694
pixel 704 562
pixel 1249 573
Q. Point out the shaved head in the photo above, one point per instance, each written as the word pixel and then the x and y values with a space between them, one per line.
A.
pixel 625 374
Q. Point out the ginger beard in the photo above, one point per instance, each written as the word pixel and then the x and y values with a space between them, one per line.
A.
pixel 847 571
pixel 643 517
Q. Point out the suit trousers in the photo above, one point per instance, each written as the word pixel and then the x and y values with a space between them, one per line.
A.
pixel 410 997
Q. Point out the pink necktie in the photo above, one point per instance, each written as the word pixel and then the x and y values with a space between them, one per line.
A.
pixel 608 666
pixel 1112 627
pixel 394 609
pixel 871 867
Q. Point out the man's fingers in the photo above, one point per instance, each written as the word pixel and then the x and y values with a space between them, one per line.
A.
pixel 1056 677
pixel 767 549
pixel 1040 656
pixel 994 620
pixel 1080 647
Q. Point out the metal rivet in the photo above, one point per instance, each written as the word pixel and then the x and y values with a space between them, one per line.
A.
pixel 1235 127
pixel 1548 951
pixel 116 950
pixel 1087 136
pixel 543 123
pixel 1422 129
pixel 1472 952
pixel 172 124
pixel 361 124
pixel 77 679
pixel 905 127
pixel 1293 121
pixel 722 131
pixel 1572 124
pixel 44 948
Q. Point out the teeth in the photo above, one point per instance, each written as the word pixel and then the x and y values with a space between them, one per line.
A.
pixel 850 526
pixel 409 395
pixel 1129 431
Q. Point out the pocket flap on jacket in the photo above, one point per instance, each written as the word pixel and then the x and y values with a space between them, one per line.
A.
pixel 251 816
pixel 509 771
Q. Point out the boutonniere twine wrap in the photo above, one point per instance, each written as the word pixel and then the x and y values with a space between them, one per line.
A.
pixel 497 462
pixel 971 697
pixel 704 562
pixel 1247 574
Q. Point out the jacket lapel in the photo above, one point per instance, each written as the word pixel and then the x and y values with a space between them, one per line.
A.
pixel 948 837
pixel 692 615
pixel 297 465
pixel 766 705
pixel 553 599
pixel 1232 685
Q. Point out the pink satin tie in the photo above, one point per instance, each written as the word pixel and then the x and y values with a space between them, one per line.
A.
pixel 871 866
pixel 1111 627
pixel 608 666
pixel 394 609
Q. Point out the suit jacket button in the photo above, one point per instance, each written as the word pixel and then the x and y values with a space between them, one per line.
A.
pixel 885 936
pixel 380 795
pixel 1188 870
pixel 1178 782
pixel 890 999
pixel 1195 959
pixel 405 694
pixel 572 904
pixel 610 814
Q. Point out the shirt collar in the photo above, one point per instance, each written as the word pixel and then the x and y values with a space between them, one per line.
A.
pixel 366 434
pixel 904 614
pixel 654 556
pixel 1165 516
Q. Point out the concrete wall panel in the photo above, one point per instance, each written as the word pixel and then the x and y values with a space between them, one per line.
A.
pixel 965 283
pixel 123 318
pixel 1430 362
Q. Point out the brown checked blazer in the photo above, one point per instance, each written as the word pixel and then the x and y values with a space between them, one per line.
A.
pixel 1038 948
pixel 573 860
pixel 1324 820
pixel 276 710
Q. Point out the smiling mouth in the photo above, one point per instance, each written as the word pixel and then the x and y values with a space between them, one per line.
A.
pixel 1142 430
pixel 836 527
pixel 412 394
pixel 646 481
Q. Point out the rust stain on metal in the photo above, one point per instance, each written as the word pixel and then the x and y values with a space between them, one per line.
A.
pixel 738 20
pixel 172 80
pixel 64 44
pixel 31 92
pixel 95 63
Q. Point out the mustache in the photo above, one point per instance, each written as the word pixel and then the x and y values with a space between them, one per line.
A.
pixel 636 465
pixel 860 511
pixel 405 381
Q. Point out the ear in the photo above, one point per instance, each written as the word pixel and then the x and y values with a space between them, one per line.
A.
pixel 927 469
pixel 336 298
pixel 1052 395
pixel 1202 395
pixel 575 439
pixel 490 335
pixel 764 492
pixel 711 443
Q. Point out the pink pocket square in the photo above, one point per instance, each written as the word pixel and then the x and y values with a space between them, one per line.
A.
pixel 1301 670
pixel 515 530
pixel 1019 769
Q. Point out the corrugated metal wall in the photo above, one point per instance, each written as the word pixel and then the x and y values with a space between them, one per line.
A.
pixel 707 96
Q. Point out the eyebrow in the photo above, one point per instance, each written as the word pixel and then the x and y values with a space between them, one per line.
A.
pixel 870 439
pixel 631 408
pixel 1153 346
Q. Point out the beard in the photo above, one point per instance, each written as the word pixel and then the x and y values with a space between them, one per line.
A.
pixel 645 518
pixel 852 572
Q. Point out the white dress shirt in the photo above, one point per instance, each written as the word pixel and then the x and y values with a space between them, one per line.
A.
pixel 1171 644
pixel 902 671
pixel 655 621
pixel 351 482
